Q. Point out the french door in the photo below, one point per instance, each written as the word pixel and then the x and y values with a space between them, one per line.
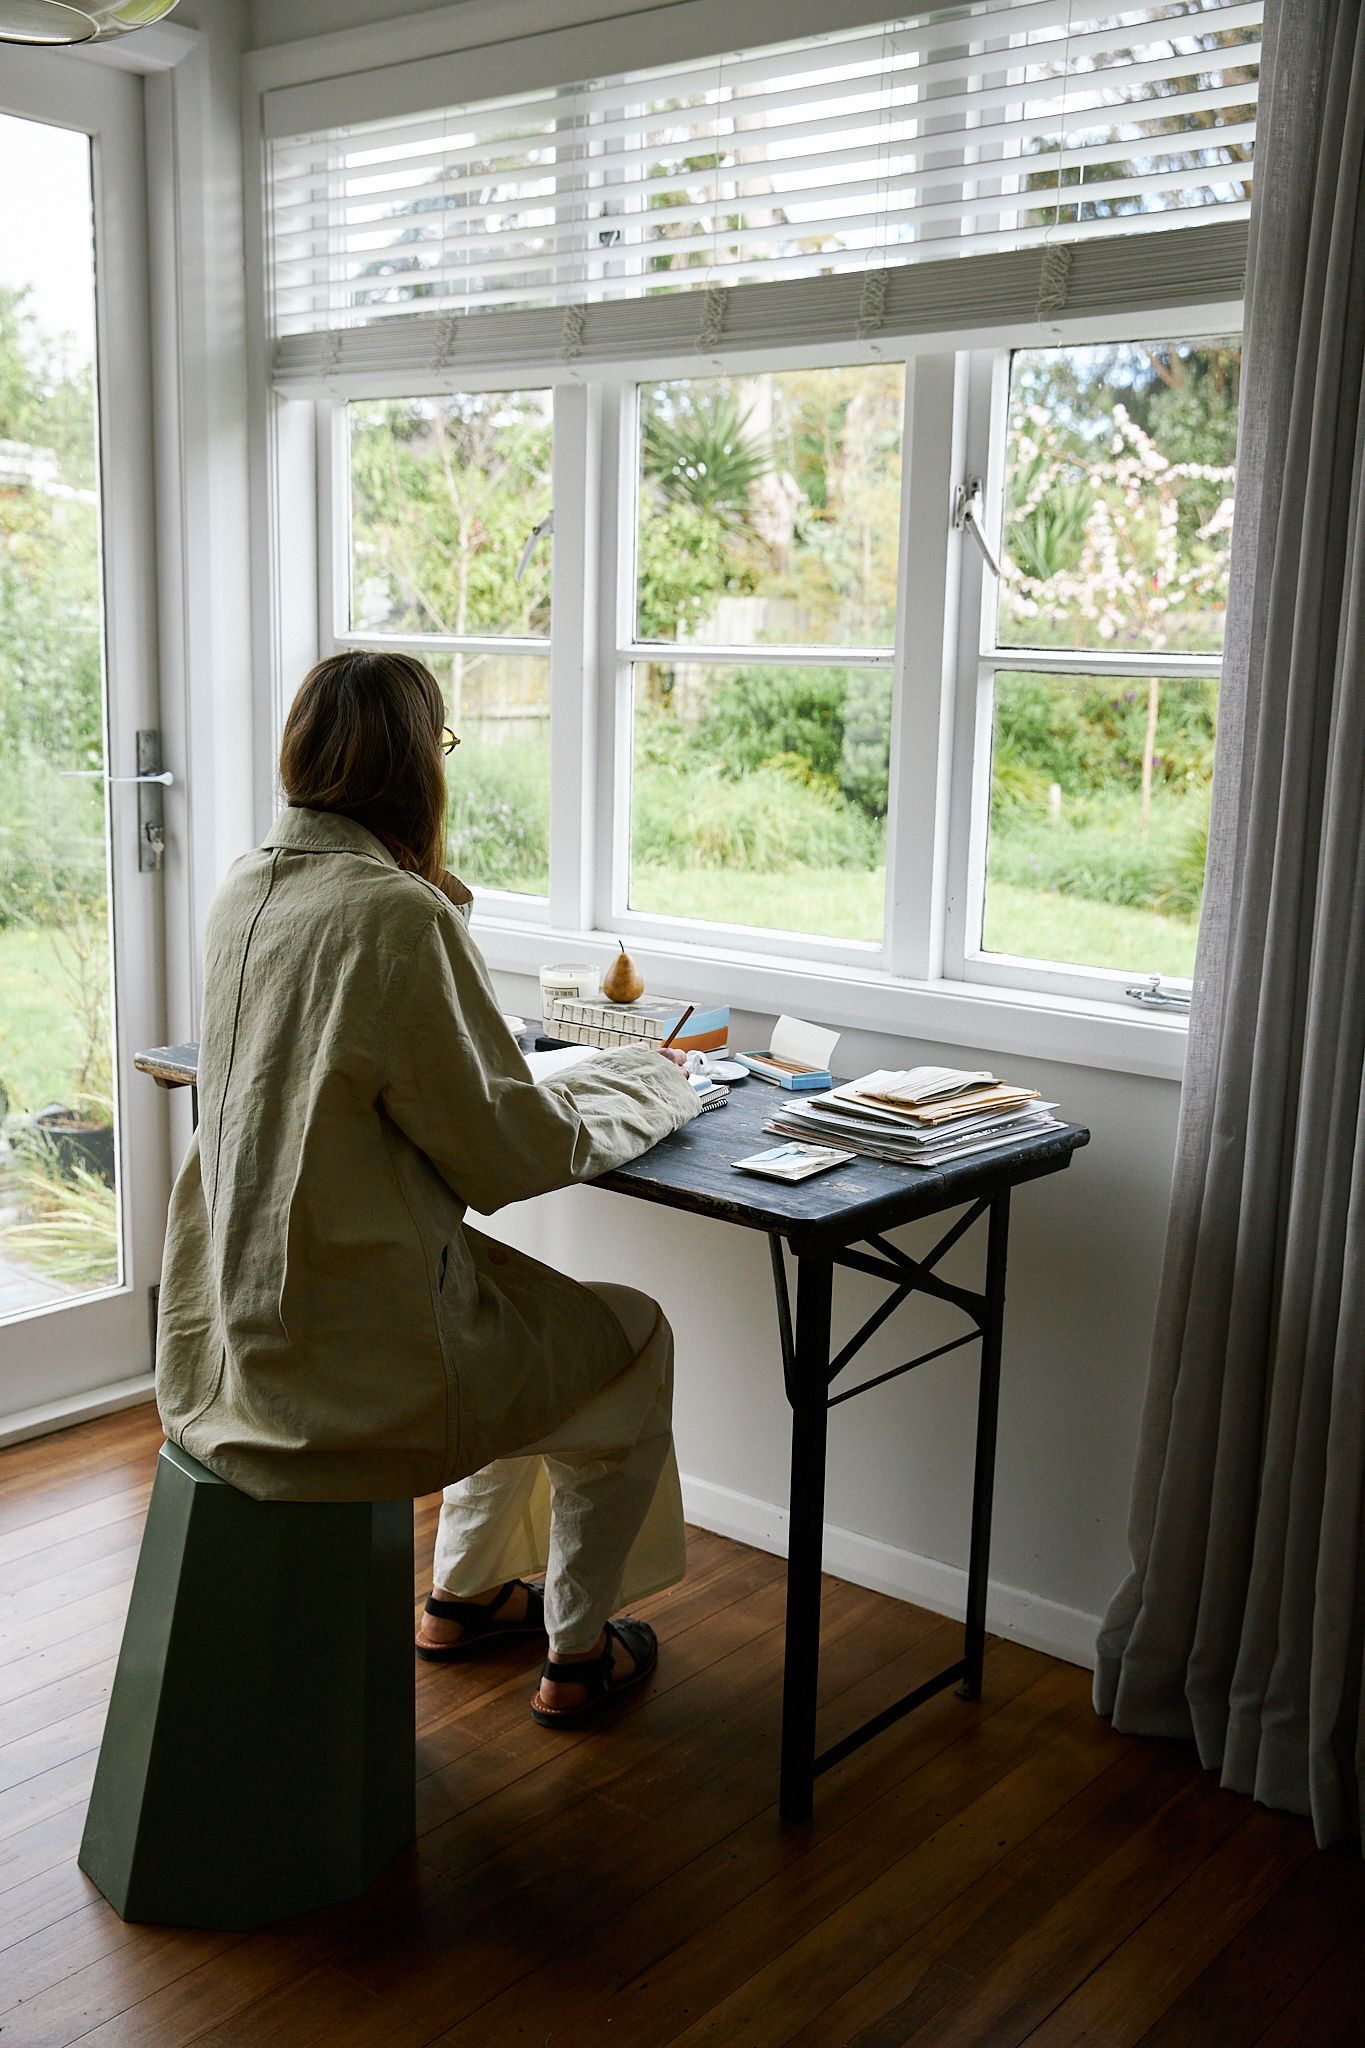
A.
pixel 83 1141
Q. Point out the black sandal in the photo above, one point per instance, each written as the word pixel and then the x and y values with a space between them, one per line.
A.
pixel 635 1636
pixel 478 1621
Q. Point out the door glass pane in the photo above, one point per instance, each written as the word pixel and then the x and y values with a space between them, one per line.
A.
pixel 59 1221
pixel 758 796
pixel 446 493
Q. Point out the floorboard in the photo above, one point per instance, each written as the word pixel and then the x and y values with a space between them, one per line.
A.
pixel 986 1876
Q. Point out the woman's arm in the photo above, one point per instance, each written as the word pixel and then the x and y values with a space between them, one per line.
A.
pixel 457 1086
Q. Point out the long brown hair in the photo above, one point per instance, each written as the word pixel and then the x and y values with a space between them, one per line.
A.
pixel 363 737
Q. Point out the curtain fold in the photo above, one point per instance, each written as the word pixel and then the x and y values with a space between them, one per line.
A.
pixel 1242 1622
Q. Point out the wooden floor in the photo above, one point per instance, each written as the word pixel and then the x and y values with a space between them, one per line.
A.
pixel 995 1874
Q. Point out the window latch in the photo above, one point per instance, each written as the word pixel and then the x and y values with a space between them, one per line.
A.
pixel 538 532
pixel 1155 997
pixel 967 509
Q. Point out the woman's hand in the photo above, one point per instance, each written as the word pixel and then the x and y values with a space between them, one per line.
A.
pixel 679 1059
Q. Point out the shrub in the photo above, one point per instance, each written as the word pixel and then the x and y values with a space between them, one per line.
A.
pixel 1099 853
pixel 499 814
pixel 773 820
pixel 836 720
pixel 68 1224
pixel 1086 732
pixel 52 853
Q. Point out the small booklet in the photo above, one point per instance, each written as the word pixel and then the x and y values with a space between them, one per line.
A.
pixel 797 1057
pixel 793 1162
pixel 710 1094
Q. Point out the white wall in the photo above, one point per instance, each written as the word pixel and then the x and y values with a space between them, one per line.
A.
pixel 1084 1259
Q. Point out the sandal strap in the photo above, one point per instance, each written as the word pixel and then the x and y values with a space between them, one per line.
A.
pixel 596 1674
pixel 475 1616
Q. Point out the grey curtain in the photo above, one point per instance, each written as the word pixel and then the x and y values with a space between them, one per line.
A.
pixel 1243 1618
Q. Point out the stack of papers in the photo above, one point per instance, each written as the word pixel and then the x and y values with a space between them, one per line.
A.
pixel 920 1116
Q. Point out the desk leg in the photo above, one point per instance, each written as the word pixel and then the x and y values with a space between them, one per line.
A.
pixel 987 1413
pixel 809 1394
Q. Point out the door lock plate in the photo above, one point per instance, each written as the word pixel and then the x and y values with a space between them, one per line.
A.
pixel 151 806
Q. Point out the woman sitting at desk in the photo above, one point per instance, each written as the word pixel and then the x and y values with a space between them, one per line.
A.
pixel 330 1328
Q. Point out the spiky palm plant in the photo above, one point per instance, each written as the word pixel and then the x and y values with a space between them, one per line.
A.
pixel 704 456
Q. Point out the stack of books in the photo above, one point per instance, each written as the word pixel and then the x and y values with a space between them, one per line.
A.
pixel 923 1116
pixel 648 1021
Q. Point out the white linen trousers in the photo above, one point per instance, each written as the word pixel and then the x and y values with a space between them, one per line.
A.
pixel 596 1506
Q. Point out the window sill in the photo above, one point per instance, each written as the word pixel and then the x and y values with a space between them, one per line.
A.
pixel 1022 1023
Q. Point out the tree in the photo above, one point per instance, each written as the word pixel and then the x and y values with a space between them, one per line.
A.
pixel 698 450
pixel 1112 541
pixel 51 625
pixel 445 495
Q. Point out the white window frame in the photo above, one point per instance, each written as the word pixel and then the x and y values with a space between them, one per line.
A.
pixel 925 977
pixel 981 657
pixel 612 894
pixel 335 633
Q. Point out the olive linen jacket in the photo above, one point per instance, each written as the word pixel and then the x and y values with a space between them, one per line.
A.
pixel 330 1327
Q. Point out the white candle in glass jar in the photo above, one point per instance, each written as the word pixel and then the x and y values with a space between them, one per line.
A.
pixel 576 981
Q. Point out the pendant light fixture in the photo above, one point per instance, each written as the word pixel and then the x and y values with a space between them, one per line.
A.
pixel 48 24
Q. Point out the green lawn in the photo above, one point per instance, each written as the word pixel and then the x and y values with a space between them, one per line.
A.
pixel 829 901
pixel 1039 924
pixel 1046 926
pixel 40 1037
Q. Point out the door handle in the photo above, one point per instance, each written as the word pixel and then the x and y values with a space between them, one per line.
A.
pixel 98 775
pixel 151 779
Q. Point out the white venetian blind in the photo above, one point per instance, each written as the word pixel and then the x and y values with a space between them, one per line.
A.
pixel 949 133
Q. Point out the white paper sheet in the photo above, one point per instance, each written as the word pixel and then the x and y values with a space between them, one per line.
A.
pixel 805 1044
pixel 545 1065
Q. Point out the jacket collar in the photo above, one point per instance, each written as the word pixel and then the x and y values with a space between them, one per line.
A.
pixel 303 831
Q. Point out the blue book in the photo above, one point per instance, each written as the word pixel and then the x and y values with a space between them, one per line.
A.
pixel 785 1073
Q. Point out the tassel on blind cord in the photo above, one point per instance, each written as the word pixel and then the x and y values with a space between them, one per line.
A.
pixel 443 348
pixel 1052 278
pixel 573 332
pixel 713 307
pixel 872 303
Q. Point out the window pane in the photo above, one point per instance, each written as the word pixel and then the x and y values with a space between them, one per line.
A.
pixel 445 494
pixel 759 796
pixel 499 775
pixel 770 508
pixel 1099 820
pixel 60 1233
pixel 1118 496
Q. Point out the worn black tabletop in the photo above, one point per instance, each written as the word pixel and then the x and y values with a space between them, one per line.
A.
pixel 692 1170
pixel 170 1066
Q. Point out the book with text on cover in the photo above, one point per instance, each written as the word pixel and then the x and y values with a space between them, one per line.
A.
pixel 647 1021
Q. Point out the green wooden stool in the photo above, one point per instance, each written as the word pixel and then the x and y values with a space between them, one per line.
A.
pixel 259 1755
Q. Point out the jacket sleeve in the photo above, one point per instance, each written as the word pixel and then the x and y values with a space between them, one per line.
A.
pixel 457 1086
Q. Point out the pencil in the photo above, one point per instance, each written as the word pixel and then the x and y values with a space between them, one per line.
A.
pixel 678 1026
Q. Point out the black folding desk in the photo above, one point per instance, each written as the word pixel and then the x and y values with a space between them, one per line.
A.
pixel 837 1219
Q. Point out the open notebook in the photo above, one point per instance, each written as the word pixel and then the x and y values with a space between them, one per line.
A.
pixel 545 1065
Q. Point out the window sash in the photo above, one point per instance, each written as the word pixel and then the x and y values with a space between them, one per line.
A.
pixel 980 657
